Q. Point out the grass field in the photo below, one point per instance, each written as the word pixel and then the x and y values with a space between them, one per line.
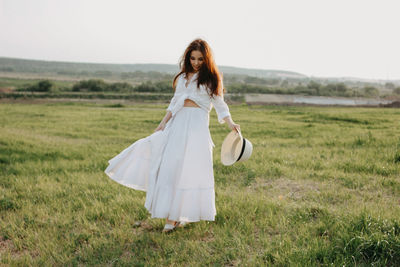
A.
pixel 321 188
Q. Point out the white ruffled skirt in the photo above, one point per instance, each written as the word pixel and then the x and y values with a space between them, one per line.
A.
pixel 174 167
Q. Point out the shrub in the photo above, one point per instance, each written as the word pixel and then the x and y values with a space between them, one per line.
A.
pixel 120 87
pixel 92 85
pixel 370 91
pixel 41 86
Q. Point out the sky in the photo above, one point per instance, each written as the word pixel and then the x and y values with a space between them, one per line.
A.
pixel 324 38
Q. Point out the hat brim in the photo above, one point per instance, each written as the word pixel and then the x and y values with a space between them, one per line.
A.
pixel 231 148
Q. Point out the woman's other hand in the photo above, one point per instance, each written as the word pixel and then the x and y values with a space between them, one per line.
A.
pixel 160 127
pixel 164 121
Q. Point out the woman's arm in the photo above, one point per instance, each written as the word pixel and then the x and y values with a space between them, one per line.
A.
pixel 168 115
pixel 223 112
pixel 231 123
pixel 164 121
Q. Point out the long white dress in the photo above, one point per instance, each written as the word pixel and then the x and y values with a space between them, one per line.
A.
pixel 175 166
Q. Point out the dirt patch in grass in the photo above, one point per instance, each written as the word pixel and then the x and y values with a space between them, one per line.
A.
pixel 285 188
pixel 5 245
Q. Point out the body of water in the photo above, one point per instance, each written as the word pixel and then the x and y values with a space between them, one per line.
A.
pixel 314 100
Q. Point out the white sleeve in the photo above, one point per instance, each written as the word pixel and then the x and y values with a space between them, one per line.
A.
pixel 221 107
pixel 175 97
pixel 172 102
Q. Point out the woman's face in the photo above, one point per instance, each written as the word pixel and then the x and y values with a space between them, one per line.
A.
pixel 196 60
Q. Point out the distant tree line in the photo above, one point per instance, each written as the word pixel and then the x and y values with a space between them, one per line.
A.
pixel 311 88
pixel 7 69
pixel 336 89
pixel 94 85
pixel 97 85
pixel 141 75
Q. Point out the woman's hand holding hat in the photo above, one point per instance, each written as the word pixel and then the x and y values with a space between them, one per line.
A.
pixel 231 124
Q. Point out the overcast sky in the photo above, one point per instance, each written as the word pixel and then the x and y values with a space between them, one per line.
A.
pixel 358 38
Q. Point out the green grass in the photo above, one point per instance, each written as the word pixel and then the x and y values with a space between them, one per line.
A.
pixel 321 188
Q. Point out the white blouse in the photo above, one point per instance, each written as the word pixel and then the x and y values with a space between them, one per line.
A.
pixel 198 95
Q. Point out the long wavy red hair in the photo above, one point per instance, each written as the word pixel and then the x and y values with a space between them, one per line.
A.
pixel 208 73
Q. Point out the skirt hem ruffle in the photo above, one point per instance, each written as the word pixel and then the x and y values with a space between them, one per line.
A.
pixel 188 205
pixel 133 186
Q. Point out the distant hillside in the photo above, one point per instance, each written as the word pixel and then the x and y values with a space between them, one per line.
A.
pixel 138 73
pixel 41 66
pixel 22 75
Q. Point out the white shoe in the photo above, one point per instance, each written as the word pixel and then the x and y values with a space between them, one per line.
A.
pixel 169 227
pixel 182 224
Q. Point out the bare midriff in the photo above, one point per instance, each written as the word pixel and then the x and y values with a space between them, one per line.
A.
pixel 190 103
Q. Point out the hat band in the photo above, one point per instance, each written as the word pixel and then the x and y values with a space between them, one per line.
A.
pixel 241 152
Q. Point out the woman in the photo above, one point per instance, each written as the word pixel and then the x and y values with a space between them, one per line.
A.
pixel 174 164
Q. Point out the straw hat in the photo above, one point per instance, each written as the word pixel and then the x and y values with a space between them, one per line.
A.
pixel 235 148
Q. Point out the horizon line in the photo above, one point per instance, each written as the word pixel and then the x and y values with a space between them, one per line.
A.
pixel 237 67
